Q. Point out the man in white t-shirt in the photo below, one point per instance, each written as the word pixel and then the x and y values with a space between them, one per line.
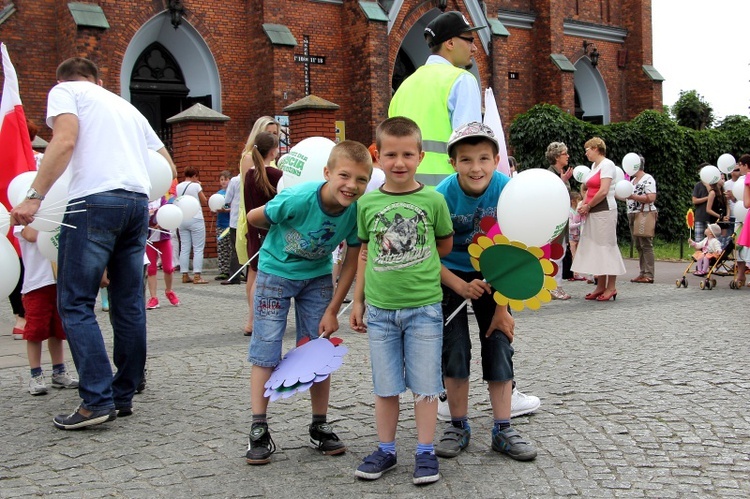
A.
pixel 104 141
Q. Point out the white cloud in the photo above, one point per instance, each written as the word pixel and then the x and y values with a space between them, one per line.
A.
pixel 703 45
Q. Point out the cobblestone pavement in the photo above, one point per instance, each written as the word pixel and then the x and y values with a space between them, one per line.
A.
pixel 643 397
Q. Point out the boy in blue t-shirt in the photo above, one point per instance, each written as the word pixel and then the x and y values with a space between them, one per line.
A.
pixel 223 241
pixel 405 228
pixel 472 194
pixel 305 224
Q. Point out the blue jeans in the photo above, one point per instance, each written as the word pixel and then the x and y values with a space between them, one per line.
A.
pixel 273 297
pixel 405 349
pixel 111 233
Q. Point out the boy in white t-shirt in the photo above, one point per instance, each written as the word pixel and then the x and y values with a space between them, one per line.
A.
pixel 42 320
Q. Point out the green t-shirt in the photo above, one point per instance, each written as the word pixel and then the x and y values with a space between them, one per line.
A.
pixel 302 234
pixel 403 266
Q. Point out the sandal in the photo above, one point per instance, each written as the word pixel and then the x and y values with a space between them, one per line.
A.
pixel 643 279
pixel 197 279
pixel 185 278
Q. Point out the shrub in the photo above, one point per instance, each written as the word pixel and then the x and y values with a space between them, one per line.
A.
pixel 672 153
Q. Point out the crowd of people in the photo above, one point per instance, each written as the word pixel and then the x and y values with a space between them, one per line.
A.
pixel 406 253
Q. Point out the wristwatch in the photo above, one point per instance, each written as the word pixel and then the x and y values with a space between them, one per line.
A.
pixel 33 194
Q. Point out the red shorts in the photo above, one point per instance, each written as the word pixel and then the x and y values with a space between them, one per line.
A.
pixel 42 320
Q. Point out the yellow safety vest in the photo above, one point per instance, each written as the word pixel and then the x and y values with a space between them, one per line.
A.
pixel 423 97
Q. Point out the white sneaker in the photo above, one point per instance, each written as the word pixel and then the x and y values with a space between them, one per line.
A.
pixel 521 404
pixel 444 412
pixel 64 380
pixel 37 386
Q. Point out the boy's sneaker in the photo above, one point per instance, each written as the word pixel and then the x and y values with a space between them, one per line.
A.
pixel 325 440
pixel 152 303
pixel 260 445
pixel 37 386
pixel 453 441
pixel 521 404
pixel 510 442
pixel 444 412
pixel 374 465
pixel 426 469
pixel 172 297
pixel 77 420
pixel 64 380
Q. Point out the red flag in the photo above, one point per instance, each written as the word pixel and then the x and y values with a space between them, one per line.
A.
pixel 16 155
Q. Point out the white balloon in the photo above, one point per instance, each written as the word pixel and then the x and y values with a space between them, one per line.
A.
pixel 738 189
pixel 710 174
pixel 623 189
pixel 305 161
pixel 580 172
pixel 189 206
pixel 726 163
pixel 160 174
pixel 48 244
pixel 4 220
pixel 619 174
pixel 19 186
pixel 533 208
pixel 216 202
pixel 169 216
pixel 631 163
pixel 53 207
pixel 739 212
pixel 280 186
pixel 10 267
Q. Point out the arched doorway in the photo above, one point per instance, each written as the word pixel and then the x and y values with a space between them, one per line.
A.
pixel 414 51
pixel 591 97
pixel 166 70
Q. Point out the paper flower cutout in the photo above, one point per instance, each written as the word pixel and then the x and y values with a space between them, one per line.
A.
pixel 520 275
pixel 311 362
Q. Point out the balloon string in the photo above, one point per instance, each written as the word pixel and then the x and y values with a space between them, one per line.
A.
pixel 243 266
pixel 63 202
pixel 55 222
pixel 149 243
pixel 460 307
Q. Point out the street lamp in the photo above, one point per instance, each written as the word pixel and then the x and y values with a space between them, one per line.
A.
pixel 592 54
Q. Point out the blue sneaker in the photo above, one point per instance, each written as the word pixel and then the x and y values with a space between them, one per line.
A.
pixel 374 465
pixel 426 469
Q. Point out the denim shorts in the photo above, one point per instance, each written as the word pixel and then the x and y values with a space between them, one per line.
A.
pixel 405 347
pixel 273 296
pixel 497 351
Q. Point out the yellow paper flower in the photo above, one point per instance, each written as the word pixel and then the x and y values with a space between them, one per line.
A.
pixel 520 274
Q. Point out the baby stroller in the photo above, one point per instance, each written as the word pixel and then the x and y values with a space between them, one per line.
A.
pixel 723 266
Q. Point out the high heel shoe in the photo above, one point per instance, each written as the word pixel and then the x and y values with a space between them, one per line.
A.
pixel 606 297
pixel 594 295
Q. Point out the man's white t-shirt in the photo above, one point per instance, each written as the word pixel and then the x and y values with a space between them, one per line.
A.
pixel 109 153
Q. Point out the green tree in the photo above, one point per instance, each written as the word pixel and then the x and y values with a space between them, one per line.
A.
pixel 692 111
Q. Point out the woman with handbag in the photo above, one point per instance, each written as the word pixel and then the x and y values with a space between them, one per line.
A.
pixel 598 253
pixel 642 216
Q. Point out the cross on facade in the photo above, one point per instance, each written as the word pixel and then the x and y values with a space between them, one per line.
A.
pixel 307 59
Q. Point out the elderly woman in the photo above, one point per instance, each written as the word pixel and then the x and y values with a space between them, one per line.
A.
pixel 557 155
pixel 642 199
pixel 598 252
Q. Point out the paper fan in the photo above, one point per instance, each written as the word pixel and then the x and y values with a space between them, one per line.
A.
pixel 521 276
pixel 311 362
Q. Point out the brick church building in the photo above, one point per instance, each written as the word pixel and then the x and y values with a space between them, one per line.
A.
pixel 329 67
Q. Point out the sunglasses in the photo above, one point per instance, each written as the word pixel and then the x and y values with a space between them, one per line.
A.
pixel 469 39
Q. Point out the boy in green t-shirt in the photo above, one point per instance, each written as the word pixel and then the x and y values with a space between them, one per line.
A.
pixel 305 223
pixel 407 229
